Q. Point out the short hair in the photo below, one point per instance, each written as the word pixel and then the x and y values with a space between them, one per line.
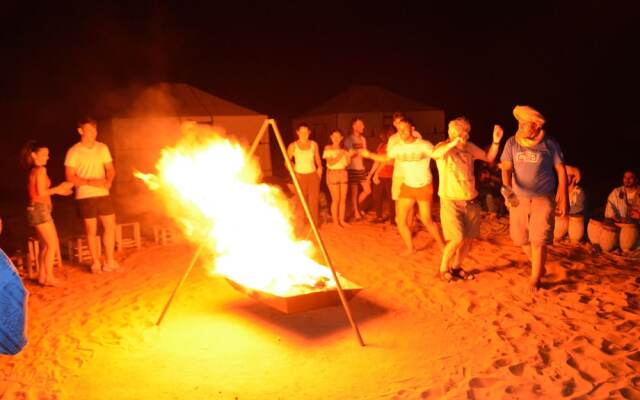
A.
pixel 86 120
pixel 397 115
pixel 356 119
pixel 460 124
pixel 302 125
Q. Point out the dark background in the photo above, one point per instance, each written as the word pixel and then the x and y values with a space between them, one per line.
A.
pixel 574 61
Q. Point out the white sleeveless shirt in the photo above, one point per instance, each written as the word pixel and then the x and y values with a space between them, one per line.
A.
pixel 305 159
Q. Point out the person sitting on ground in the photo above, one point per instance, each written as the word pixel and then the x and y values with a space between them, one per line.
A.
pixel 623 203
pixel 489 184
pixel 413 156
pixel 34 158
pixel 337 177
pixel 13 307
pixel 459 207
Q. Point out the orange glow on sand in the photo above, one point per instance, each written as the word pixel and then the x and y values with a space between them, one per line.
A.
pixel 212 188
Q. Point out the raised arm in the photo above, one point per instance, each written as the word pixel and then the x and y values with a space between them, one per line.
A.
pixel 375 156
pixel 443 148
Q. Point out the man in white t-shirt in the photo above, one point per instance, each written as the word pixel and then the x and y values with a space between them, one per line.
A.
pixel 623 203
pixel 459 207
pixel 89 166
pixel 412 156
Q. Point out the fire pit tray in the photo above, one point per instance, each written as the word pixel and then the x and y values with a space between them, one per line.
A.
pixel 301 302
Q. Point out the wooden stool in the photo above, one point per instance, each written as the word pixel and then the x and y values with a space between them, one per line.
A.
pixel 128 236
pixel 33 255
pixel 163 235
pixel 78 249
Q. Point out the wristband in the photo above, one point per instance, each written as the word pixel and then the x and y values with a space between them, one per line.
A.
pixel 498 143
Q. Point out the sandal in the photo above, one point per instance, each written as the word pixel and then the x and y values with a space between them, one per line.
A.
pixel 464 275
pixel 446 276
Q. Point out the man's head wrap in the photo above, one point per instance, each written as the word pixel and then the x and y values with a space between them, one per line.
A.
pixel 528 114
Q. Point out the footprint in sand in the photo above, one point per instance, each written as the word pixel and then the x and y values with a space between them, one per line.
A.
pixel 568 387
pixel 634 357
pixel 500 362
pixel 479 383
pixel 517 369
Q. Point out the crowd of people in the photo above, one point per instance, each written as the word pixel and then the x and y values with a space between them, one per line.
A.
pixel 530 182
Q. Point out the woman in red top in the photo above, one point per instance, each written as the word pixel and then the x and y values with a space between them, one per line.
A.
pixel 35 157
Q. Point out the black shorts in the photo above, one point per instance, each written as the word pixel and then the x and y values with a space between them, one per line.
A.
pixel 94 207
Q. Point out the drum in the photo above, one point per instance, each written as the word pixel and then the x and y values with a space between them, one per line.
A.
pixel 561 227
pixel 628 236
pixel 576 228
pixel 609 236
pixel 593 230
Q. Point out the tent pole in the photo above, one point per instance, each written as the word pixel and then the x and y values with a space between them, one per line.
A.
pixel 343 299
pixel 184 278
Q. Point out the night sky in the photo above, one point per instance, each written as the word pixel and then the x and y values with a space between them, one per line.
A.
pixel 571 60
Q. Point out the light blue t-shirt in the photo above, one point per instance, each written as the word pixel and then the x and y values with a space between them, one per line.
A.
pixel 534 171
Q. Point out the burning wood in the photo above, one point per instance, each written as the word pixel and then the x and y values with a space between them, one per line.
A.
pixel 211 186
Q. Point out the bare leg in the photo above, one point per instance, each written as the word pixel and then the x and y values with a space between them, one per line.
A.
pixel 334 190
pixel 109 238
pixel 343 203
pixel 354 200
pixel 41 271
pixel 49 247
pixel 424 208
pixel 538 259
pixel 91 226
pixel 404 205
pixel 449 253
pixel 366 191
pixel 462 252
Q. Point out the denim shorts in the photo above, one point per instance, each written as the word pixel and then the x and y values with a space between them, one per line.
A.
pixel 39 213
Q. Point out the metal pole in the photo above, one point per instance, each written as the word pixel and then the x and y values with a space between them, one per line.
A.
pixel 184 277
pixel 305 206
pixel 258 138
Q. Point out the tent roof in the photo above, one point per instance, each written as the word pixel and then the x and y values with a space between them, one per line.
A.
pixel 367 98
pixel 171 99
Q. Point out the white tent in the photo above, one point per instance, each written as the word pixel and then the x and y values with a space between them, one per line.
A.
pixel 375 107
pixel 148 119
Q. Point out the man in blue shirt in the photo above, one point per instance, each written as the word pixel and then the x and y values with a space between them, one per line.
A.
pixel 530 163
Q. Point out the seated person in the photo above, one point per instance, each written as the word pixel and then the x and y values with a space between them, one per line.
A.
pixel 489 184
pixel 623 204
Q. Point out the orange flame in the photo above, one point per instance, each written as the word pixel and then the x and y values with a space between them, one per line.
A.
pixel 211 186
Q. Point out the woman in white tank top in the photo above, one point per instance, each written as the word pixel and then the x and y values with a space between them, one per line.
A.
pixel 307 166
pixel 338 158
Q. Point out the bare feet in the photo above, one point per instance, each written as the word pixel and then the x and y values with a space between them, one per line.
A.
pixel 344 224
pixel 533 287
pixel 408 252
pixel 96 268
pixel 111 266
pixel 52 282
